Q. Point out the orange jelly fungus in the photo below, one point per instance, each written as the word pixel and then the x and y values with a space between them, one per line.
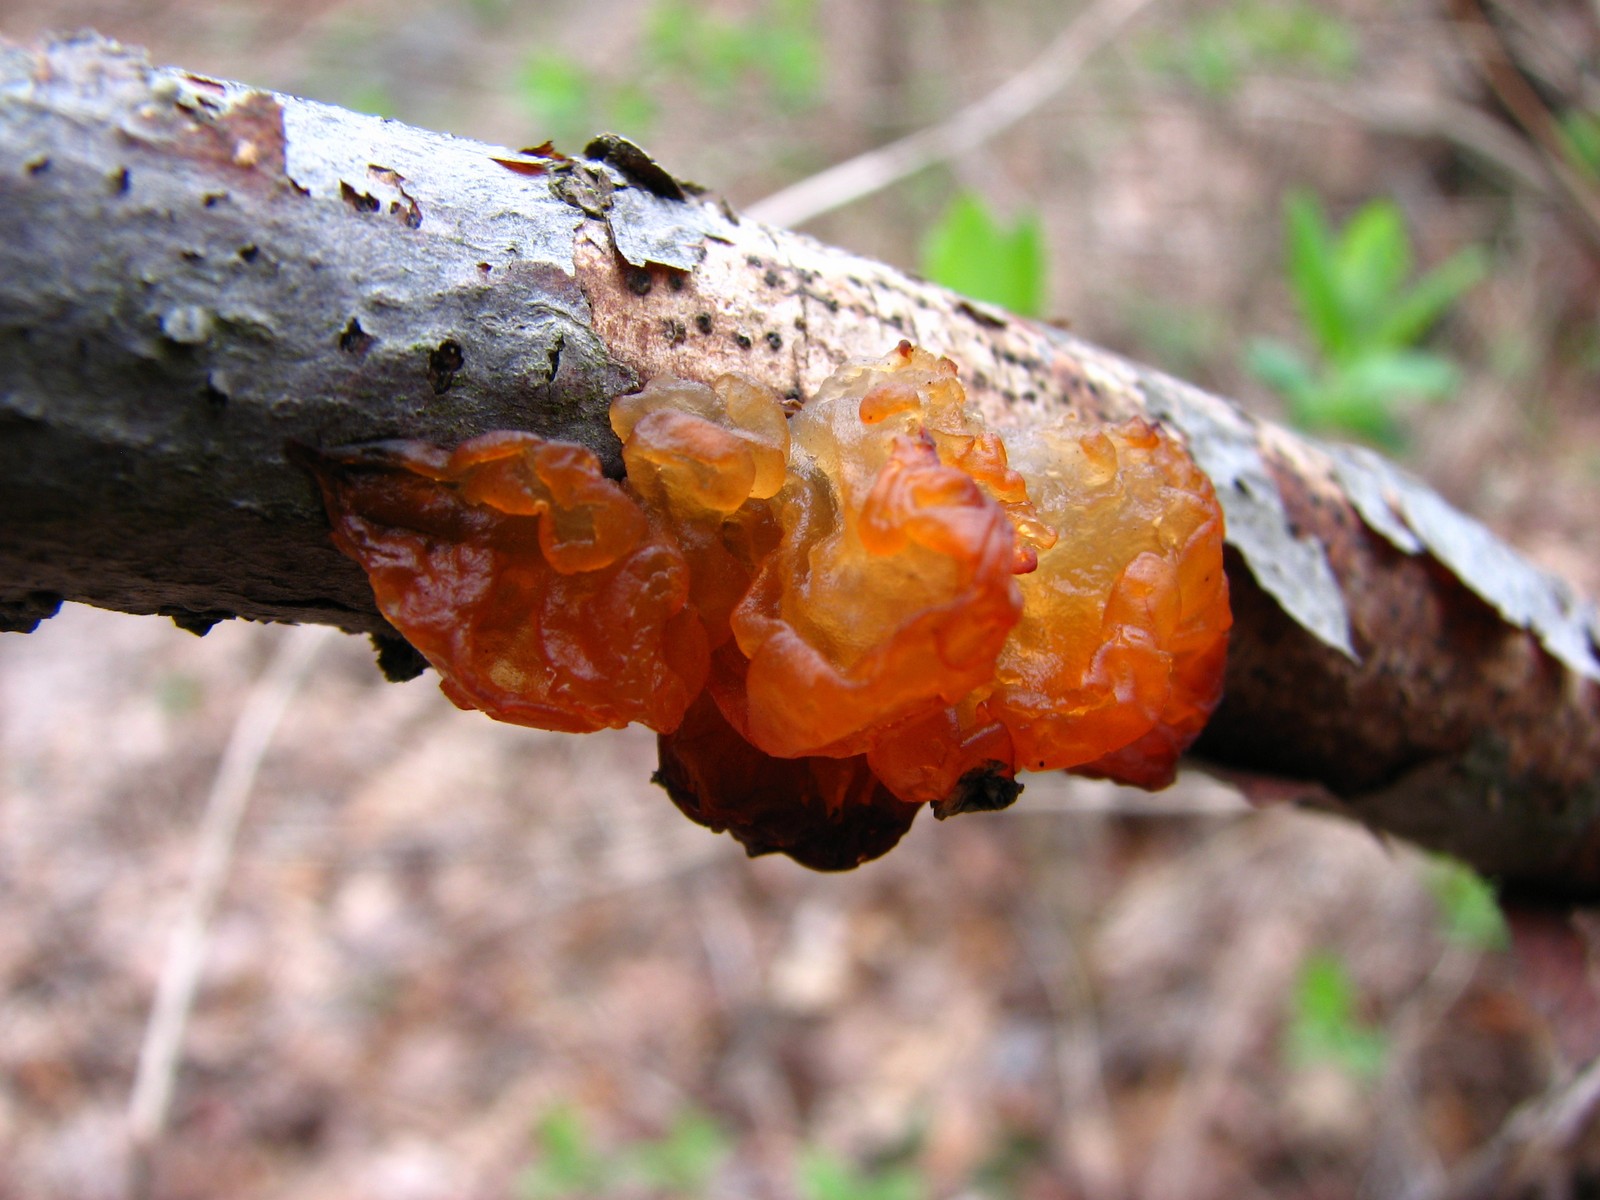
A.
pixel 535 585
pixel 832 617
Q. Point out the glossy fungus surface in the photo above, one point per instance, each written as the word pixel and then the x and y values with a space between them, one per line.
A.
pixel 536 586
pixel 832 617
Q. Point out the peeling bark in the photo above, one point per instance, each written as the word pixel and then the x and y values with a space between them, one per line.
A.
pixel 197 275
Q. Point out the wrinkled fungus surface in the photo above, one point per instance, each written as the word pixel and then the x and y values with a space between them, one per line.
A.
pixel 831 617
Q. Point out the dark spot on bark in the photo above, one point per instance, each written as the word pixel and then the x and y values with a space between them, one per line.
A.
pixel 831 304
pixel 677 333
pixel 249 252
pixel 37 165
pixel 554 357
pixel 702 322
pixel 987 320
pixel 800 324
pixel 638 280
pixel 792 395
pixel 485 268
pixel 397 658
pixel 192 256
pixel 752 260
pixel 675 280
pixel 121 181
pixel 638 167
pixel 410 215
pixel 774 340
pixel 356 340
pixel 216 397
pixel 771 278
pixel 443 363
pixel 212 199
pixel 22 613
pixel 197 623
pixel 983 789
pixel 894 320
pixel 743 340
pixel 360 201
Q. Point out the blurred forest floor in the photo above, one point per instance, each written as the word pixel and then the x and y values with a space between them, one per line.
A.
pixel 457 960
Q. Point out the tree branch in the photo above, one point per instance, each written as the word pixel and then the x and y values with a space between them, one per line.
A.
pixel 197 275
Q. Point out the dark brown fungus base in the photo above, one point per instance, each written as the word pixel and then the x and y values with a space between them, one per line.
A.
pixel 829 814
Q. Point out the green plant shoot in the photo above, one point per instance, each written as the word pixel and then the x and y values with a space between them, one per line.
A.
pixel 1365 318
pixel 1469 914
pixel 567 1164
pixel 968 251
pixel 825 1177
pixel 678 1165
pixel 1579 132
pixel 1218 49
pixel 1324 1027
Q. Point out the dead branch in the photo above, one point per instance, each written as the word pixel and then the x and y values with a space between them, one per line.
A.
pixel 197 274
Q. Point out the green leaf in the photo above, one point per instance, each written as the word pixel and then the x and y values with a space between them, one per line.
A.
pixel 1281 368
pixel 684 1160
pixel 1411 316
pixel 1217 50
pixel 967 251
pixel 1365 397
pixel 1312 275
pixel 632 111
pixel 1402 375
pixel 672 28
pixel 559 96
pixel 1334 402
pixel 1212 63
pixel 1372 261
pixel 1468 910
pixel 792 65
pixel 1324 1028
pixel 824 1177
pixel 1579 131
pixel 567 1167
pixel 1298 35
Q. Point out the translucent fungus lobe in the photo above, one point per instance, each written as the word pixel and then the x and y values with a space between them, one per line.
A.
pixel 534 584
pixel 892 589
pixel 831 617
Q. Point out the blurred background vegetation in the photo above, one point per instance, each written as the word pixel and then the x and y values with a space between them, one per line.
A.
pixel 460 960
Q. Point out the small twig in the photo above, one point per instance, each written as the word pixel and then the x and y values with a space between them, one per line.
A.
pixel 1396 1103
pixel 252 733
pixel 1095 1152
pixel 1020 95
pixel 1533 1147
pixel 1494 62
pixel 1409 115
pixel 1247 980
